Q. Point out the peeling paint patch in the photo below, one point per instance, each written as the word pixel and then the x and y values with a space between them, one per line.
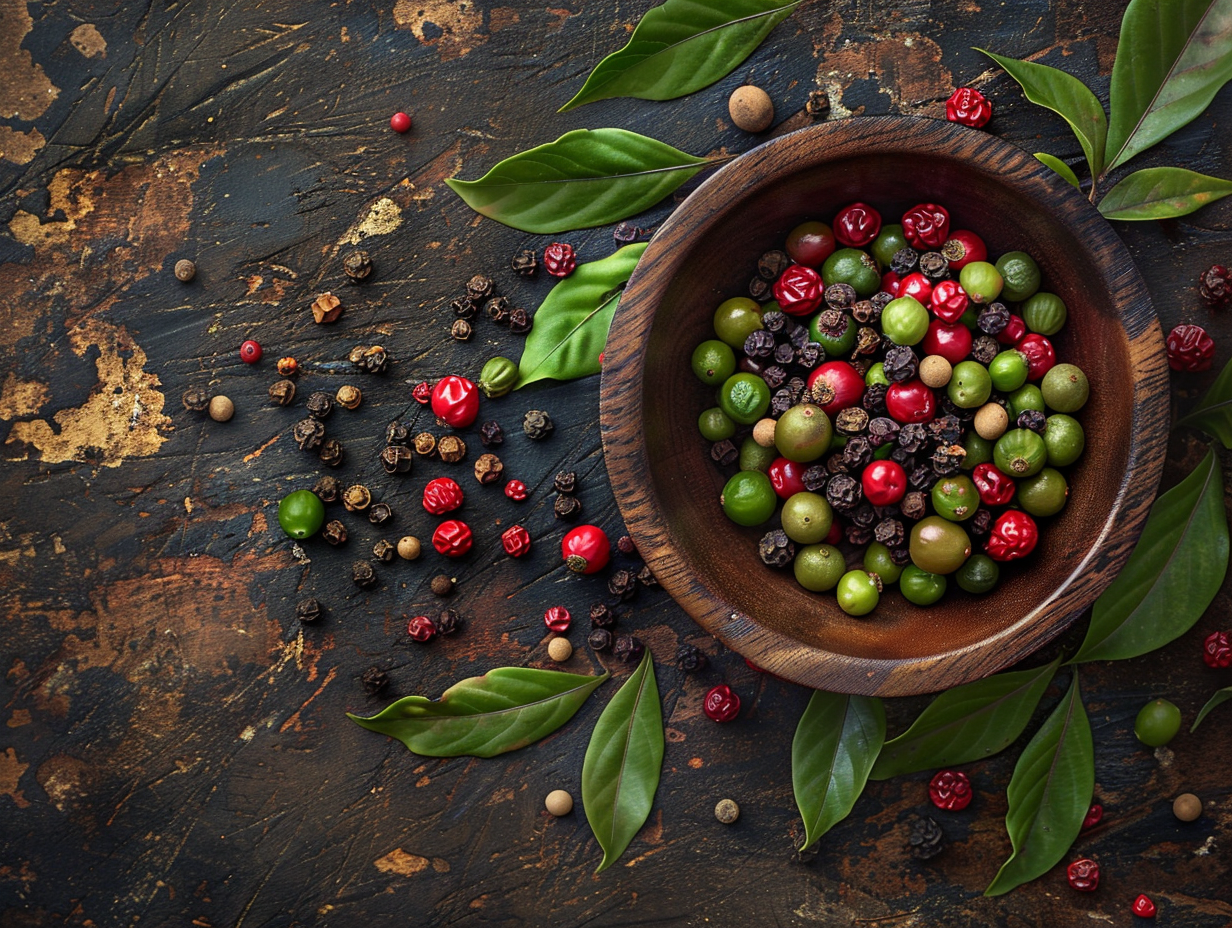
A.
pixel 26 91
pixel 400 862
pixel 89 41
pixel 452 27
pixel 907 69
pixel 384 216
pixel 20 147
pixel 11 770
pixel 64 779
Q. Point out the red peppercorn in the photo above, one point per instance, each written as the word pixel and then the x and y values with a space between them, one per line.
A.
pixel 949 301
pixel 452 538
pixel 857 225
pixel 836 532
pixel 916 285
pixel 787 477
pixel 515 490
pixel 1094 816
pixel 968 107
pixel 422 393
pixel 1013 332
pixel 421 628
pixel 559 259
pixel 798 290
pixel 950 790
pixel 926 226
pixel 1013 536
pixel 250 352
pixel 455 400
pixel 1083 875
pixel 890 283
pixel 1217 650
pixel 952 342
pixel 1190 349
pixel 1144 907
pixel 442 495
pixel 963 247
pixel 557 619
pixel 721 704
pixel 400 123
pixel 515 540
pixel 995 487
pixel 586 549
pixel 884 482
pixel 1039 353
pixel 846 382
pixel 910 401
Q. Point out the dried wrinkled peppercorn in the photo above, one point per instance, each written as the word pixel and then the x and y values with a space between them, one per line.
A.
pixel 925 839
pixel 776 549
pixel 690 658
pixel 772 264
pixel 519 321
pixel 282 393
pixel 491 434
pixel 1215 286
pixel 600 639
pixel 421 629
pixel 537 424
pixel 497 309
pixel 326 308
pixel 488 468
pixel 308 434
pixel 334 532
pixel 425 444
pixel 724 452
pixel 374 679
pixel 525 263
pixel 397 434
pixel 566 507
pixel 448 622
pixel 308 610
pixel 357 266
pixel 197 399
pixel 479 287
pixel 818 104
pixel 622 583
pixel 464 308
pixel 451 448
pixel 331 452
pixel 628 649
pixel 625 545
pixel 329 489
pixel 319 405
pixel 396 459
pixel 380 513
pixel 356 498
pixel 602 616
pixel 646 577
pixel 363 575
pixel 565 482
pixel 384 551
pixel 461 330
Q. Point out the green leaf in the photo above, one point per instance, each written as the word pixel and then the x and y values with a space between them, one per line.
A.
pixel 1049 794
pixel 967 723
pixel 1171 60
pixel 505 709
pixel 681 47
pixel 570 327
pixel 1060 167
pixel 832 753
pixel 1172 575
pixel 1213 414
pixel 587 177
pixel 1162 193
pixel 1066 96
pixel 1221 696
pixel 621 771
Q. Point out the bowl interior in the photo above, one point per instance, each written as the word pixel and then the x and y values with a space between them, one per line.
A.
pixel 707 253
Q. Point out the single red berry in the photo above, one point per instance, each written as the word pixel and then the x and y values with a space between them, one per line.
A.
pixel 798 290
pixel 995 487
pixel 787 477
pixel 890 283
pixel 1039 353
pixel 968 107
pixel 884 482
pixel 949 301
pixel 442 495
pixel 721 704
pixel 1013 332
pixel 1013 536
pixel 857 225
pixel 452 538
pixel 1094 816
pixel 586 549
pixel 422 393
pixel 557 619
pixel 515 540
pixel 1215 286
pixel 455 400
pixel 421 628
pixel 836 532
pixel 916 285
pixel 400 123
pixel 926 226
pixel 559 259
pixel 846 382
pixel 250 352
pixel 952 342
pixel 515 490
pixel 1083 875
pixel 963 247
pixel 1190 349
pixel 950 790
pixel 910 401
pixel 1217 650
pixel 1144 907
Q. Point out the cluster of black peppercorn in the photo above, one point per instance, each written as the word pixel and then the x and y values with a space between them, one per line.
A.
pixel 566 507
pixel 482 298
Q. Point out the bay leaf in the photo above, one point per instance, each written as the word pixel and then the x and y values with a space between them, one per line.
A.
pixel 505 709
pixel 966 723
pixel 1059 167
pixel 835 746
pixel 1213 414
pixel 587 177
pixel 1162 193
pixel 681 46
pixel 1172 575
pixel 620 774
pixel 1221 696
pixel 1049 794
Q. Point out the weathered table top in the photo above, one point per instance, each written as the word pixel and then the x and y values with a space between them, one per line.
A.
pixel 175 749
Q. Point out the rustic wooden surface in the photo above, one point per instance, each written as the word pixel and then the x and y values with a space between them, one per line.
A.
pixel 174 748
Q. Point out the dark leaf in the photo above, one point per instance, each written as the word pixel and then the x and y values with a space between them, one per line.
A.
pixel 1162 193
pixel 1213 414
pixel 1172 575
pixel 1221 696
pixel 1059 167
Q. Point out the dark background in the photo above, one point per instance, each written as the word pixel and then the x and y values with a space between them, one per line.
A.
pixel 174 748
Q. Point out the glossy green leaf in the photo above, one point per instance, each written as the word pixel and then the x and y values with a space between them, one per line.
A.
pixel 1049 794
pixel 1172 575
pixel 1059 167
pixel 570 327
pixel 1221 696
pixel 681 47
pixel 967 723
pixel 1066 96
pixel 1172 58
pixel 621 771
pixel 1213 414
pixel 1162 193
pixel 505 709
pixel 587 177
pixel 834 749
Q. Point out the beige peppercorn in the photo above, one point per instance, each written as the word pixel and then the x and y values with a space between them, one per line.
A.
pixel 221 409
pixel 356 498
pixel 558 803
pixel 1187 807
pixel 935 371
pixel 726 811
pixel 763 432
pixel 451 448
pixel 560 650
pixel 409 547
pixel 326 308
pixel 991 421
pixel 185 270
pixel 751 108
pixel 349 397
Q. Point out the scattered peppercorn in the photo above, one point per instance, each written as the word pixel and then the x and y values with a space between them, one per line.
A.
pixel 646 577
pixel 925 839
pixel 567 508
pixel 1143 907
pixel 1215 286
pixel 374 360
pixel 600 639
pixel 329 489
pixel 726 811
pixel 1217 650
pixel 349 397
pixel 557 619
pixel 724 452
pixel 515 540
pixel 396 459
pixel 250 352
pixel 400 123
pixel 1190 349
pixel 326 308
pixel 357 265
pixel 422 393
pixel 519 321
pixel 690 658
pixel 721 703
pixel 308 610
pixel 397 434
pixel 559 259
pixel 380 513
pixel 950 790
pixel 464 308
pixel 374 679
pixel 451 448
pixel 968 107
pixel 195 399
pixel 558 803
pixel 565 482
pixel 363 575
pixel 525 263
pixel 185 270
pixel 425 444
pixel 461 330
pixel 537 424
pixel 1094 816
pixel 221 409
pixel 331 452
pixel 488 468
pixel 442 585
pixel 448 622
pixel 515 490
pixel 1083 875
pixel 409 548
pixel 560 650
pixel 491 435
pixel 479 287
pixel 384 551
pixel 319 405
pixel 282 392
pixel 452 538
pixel 356 498
pixel 628 649
pixel 622 583
pixel 421 629
pixel 497 309
pixel 751 108
pixel 1187 807
pixel 602 616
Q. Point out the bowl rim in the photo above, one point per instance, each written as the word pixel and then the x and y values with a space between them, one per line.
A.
pixel 622 409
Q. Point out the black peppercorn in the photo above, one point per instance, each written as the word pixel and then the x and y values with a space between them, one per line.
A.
pixel 1032 419
pixel 774 321
pixel 565 482
pixel 491 434
pixel 519 321
pixel 810 354
pixel 479 287
pixel 646 577
pixel 328 488
pixel 380 513
pixel 397 434
pixel 889 532
pixel 843 492
pixel 566 507
pixel 980 523
pixel 602 616
pixel 913 505
pixel 779 404
pixel 724 452
pixel 308 434
pixel 628 649
pixel 815 478
pixel 866 312
pixel 525 263
pixel 537 424
pixel 384 551
pixel 627 232
pixel 921 478
pixel 776 549
pixel 363 575
pixel 858 535
pixel 375 360
pixel 912 437
pixel 925 838
pixel 946 430
pixel 497 309
pixel 857 453
pixel 308 610
pixel 904 261
pixel 900 364
pixel 993 318
pixel 334 532
pixel 464 308
pixel 461 330
pixel 882 431
pixel 600 639
pixel 984 348
pixel 934 266
pixel 864 515
pixel 867 342
pixel 374 680
pixel 196 399
pixel 851 421
pixel 759 344
pixel 357 266
pixel 759 288
pixel 396 459
pixel 356 498
pixel 841 296
pixel 623 584
pixel 690 658
pixel 772 264
pixel 331 452
pixel 784 354
pixel 281 393
pixel 448 623
pixel 425 444
pixel 488 468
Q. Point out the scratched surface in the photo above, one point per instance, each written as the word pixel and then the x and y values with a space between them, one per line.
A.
pixel 174 749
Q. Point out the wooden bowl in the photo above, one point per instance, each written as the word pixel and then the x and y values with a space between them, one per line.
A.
pixel 668 488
